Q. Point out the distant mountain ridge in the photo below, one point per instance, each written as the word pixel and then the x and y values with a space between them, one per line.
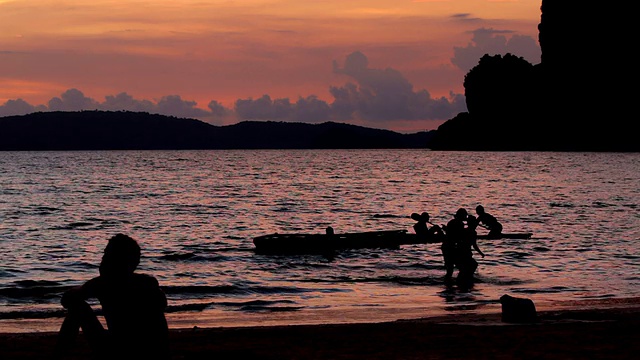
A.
pixel 125 130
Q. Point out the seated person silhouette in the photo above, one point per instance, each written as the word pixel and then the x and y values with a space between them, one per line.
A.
pixel 489 221
pixel 424 232
pixel 329 231
pixel 132 304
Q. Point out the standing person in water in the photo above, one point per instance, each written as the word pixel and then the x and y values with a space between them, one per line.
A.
pixel 133 306
pixel 455 233
pixel 424 232
pixel 489 221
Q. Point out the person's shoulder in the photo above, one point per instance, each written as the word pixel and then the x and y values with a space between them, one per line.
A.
pixel 93 283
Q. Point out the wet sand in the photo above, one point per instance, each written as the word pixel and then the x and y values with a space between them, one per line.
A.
pixel 578 333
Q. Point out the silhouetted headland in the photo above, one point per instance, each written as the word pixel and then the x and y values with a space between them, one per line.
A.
pixel 123 130
pixel 576 99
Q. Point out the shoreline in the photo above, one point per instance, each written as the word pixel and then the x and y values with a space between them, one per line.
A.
pixel 227 319
pixel 610 330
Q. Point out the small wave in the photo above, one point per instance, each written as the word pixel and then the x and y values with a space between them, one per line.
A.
pixel 248 306
pixel 421 281
pixel 192 257
pixel 254 308
pixel 558 204
pixel 204 291
pixel 32 291
pixel 7 273
pixel 80 225
pixel 281 290
pixel 541 249
pixel 201 290
pixel 35 283
pixel 187 307
pixel 600 204
pixel 516 254
pixel 387 216
pixel 264 305
pixel 177 256
pixel 627 256
pixel 550 290
pixel 257 302
pixel 463 307
pixel 32 314
pixel 501 281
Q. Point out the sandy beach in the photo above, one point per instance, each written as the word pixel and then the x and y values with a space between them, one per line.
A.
pixel 596 332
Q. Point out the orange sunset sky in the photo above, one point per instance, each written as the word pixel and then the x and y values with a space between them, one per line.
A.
pixel 391 64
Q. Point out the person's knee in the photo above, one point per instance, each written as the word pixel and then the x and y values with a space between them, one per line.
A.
pixel 80 307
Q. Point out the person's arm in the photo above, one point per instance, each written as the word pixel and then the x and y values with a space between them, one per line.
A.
pixel 158 296
pixel 476 248
pixel 162 298
pixel 79 293
pixel 435 229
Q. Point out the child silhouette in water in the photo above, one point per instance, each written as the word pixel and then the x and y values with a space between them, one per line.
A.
pixel 489 221
pixel 132 304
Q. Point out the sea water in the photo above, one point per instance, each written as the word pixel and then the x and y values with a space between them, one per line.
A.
pixel 195 214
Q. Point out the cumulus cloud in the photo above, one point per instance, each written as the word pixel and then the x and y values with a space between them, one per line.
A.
pixel 217 110
pixel 75 100
pixel 263 108
pixel 19 107
pixel 494 42
pixel 174 105
pixel 71 100
pixel 371 97
pixel 309 109
pixel 385 94
pixel 124 101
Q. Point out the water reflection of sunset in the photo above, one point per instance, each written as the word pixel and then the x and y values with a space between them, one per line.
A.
pixel 195 214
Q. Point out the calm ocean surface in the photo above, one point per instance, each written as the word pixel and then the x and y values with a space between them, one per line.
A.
pixel 195 214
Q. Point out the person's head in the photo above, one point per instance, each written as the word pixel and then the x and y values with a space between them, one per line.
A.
pixel 425 216
pixel 479 209
pixel 461 214
pixel 121 256
pixel 329 230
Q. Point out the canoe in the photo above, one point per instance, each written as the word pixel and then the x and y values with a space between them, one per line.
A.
pixel 324 244
pixel 292 243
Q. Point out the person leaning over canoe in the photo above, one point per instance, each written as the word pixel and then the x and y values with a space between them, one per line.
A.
pixel 464 261
pixel 489 221
pixel 428 234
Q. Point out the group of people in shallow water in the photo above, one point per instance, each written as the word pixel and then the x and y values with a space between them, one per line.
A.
pixel 459 240
pixel 133 304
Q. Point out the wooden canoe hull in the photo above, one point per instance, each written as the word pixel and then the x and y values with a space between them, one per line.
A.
pixel 322 243
pixel 327 244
